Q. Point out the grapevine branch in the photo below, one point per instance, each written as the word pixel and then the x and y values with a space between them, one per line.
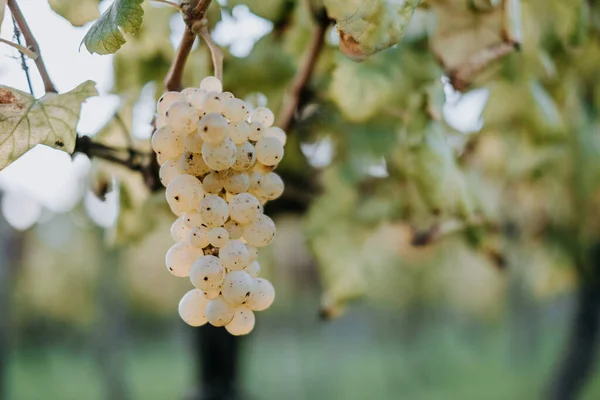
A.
pixel 299 85
pixel 23 60
pixel 31 44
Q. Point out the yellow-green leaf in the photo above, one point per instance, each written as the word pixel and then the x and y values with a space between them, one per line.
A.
pixel 51 120
pixel 106 35
pixel 368 26
pixel 77 13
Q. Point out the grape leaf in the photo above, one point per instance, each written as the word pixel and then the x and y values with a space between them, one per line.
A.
pixel 51 120
pixel 368 26
pixel 273 10
pixel 78 14
pixel 106 35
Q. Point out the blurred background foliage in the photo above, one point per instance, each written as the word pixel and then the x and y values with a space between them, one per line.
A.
pixel 442 199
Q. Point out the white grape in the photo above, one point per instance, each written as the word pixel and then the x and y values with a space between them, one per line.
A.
pixel 260 232
pixel 212 184
pixel 234 255
pixel 242 322
pixel 212 293
pixel 257 131
pixel 219 156
pixel 245 156
pixel 244 208
pixel 211 84
pixel 160 120
pixel 270 187
pixel 269 151
pixel 192 308
pixel 237 182
pixel 253 268
pixel 179 231
pixel 218 236
pixel 193 142
pixel 255 180
pixel 212 103
pixel 180 257
pixel 166 143
pixel 166 100
pixel 193 164
pixel 214 211
pixel 253 251
pixel 160 159
pixel 182 117
pixel 263 169
pixel 236 110
pixel 198 237
pixel 262 296
pixel 227 96
pixel 196 100
pixel 219 312
pixel 234 229
pixel 239 132
pixel 183 193
pixel 190 92
pixel 213 128
pixel 277 133
pixel 237 287
pixel 207 273
pixel 263 115
pixel 192 219
pixel 168 171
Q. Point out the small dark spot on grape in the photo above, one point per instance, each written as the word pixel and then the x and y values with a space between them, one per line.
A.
pixel 205 278
pixel 59 143
pixel 160 100
pixel 170 269
pixel 176 198
pixel 167 114
pixel 247 294
pixel 205 128
pixel 207 208
pixel 250 155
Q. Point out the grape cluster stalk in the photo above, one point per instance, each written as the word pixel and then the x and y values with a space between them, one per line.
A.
pixel 217 155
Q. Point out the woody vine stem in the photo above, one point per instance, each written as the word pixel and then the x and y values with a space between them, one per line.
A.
pixel 193 12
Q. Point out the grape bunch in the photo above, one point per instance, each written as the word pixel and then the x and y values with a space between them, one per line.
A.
pixel 217 156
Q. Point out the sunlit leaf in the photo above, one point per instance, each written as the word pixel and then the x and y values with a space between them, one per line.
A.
pixel 273 10
pixel 106 35
pixel 367 26
pixel 79 13
pixel 51 120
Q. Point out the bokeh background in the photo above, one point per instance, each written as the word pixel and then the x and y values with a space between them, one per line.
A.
pixel 432 244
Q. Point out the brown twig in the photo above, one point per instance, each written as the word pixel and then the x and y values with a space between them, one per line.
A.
pixel 192 13
pixel 32 44
pixel 287 114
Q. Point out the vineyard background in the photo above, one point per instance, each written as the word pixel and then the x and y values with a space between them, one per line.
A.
pixel 431 244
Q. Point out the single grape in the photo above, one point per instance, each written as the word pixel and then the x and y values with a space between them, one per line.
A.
pixel 253 252
pixel 166 100
pixel 212 184
pixel 218 236
pixel 269 151
pixel 234 229
pixel 211 84
pixel 212 293
pixel 277 133
pixel 168 171
pixel 257 131
pixel 237 182
pixel 192 308
pixel 193 164
pixel 166 143
pixel 263 295
pixel 196 100
pixel 180 257
pixel 193 142
pixel 220 156
pixel 244 208
pixel 237 287
pixel 212 103
pixel 270 187
pixel 227 96
pixel 219 312
pixel 213 128
pixel 236 110
pixel 253 268
pixel 242 322
pixel 260 232
pixel 192 219
pixel 263 115
pixel 182 117
pixel 234 255
pixel 179 231
pixel 214 211
pixel 183 193
pixel 207 273
pixel 198 237
pixel 245 157
pixel 239 132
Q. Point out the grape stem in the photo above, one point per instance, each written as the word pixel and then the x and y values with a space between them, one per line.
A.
pixel 193 13
pixel 31 45
pixel 201 29
pixel 295 97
